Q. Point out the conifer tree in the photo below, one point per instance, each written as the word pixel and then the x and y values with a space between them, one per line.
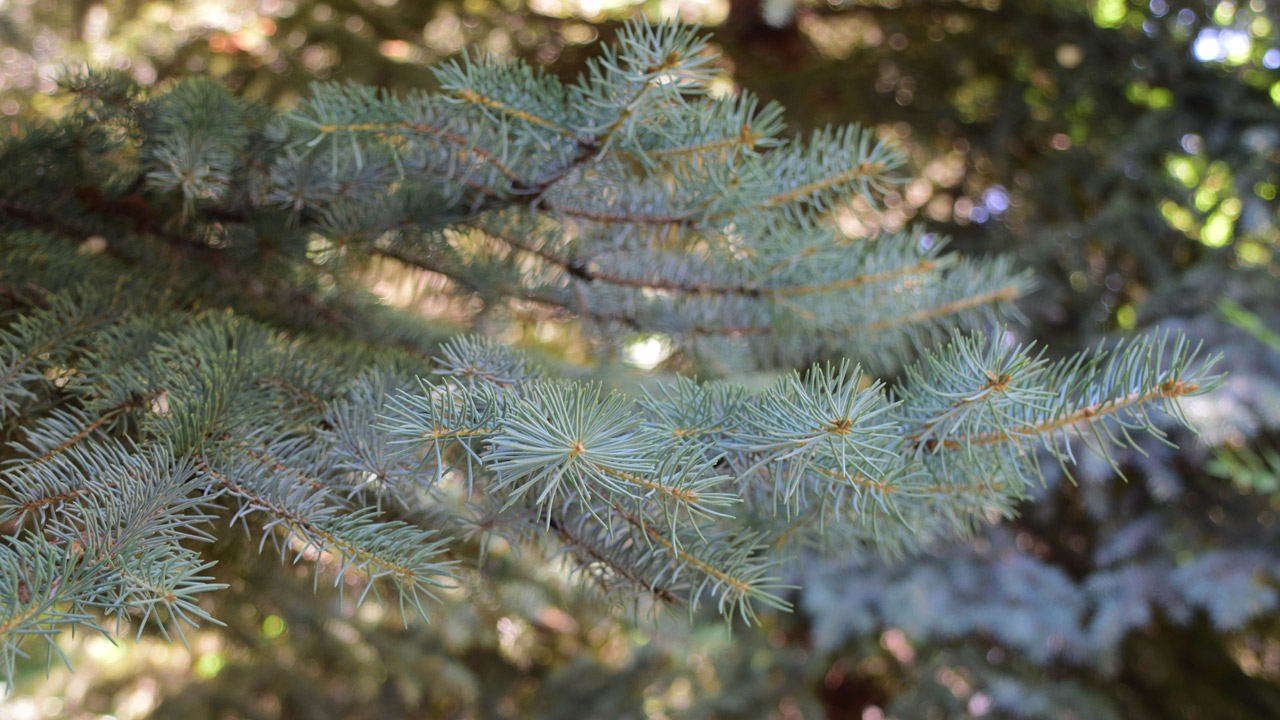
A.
pixel 189 344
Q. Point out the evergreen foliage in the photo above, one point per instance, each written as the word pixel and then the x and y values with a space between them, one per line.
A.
pixel 187 334
pixel 1064 609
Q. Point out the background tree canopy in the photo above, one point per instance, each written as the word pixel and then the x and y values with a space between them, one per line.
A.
pixel 1126 152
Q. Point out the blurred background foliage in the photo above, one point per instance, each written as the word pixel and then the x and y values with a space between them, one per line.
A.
pixel 1128 152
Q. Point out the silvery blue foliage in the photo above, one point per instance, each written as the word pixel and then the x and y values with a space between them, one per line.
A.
pixel 221 346
pixel 995 590
pixel 1156 555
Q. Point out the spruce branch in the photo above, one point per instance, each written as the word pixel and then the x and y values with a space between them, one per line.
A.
pixel 609 563
pixel 379 549
pixel 507 89
pixel 1015 401
pixel 184 324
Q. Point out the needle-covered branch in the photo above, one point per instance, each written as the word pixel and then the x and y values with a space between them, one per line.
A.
pixel 204 322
